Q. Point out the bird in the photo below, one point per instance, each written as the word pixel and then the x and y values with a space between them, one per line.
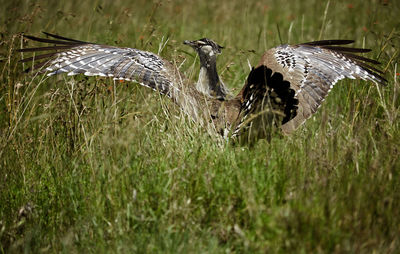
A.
pixel 281 92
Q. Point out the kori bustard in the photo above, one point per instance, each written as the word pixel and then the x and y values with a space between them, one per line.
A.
pixel 286 87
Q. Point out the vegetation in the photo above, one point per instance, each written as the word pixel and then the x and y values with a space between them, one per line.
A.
pixel 91 165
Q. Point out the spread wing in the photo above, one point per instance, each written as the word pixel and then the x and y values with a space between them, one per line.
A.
pixel 78 57
pixel 91 59
pixel 305 73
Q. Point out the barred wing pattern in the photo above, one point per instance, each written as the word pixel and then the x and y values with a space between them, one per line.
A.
pixel 76 57
pixel 146 68
pixel 284 90
pixel 312 69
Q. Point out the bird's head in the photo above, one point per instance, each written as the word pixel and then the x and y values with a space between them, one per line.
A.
pixel 205 46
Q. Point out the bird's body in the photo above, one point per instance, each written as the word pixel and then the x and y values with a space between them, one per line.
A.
pixel 286 88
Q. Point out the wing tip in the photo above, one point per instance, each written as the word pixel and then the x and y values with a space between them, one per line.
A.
pixel 55 39
pixel 328 42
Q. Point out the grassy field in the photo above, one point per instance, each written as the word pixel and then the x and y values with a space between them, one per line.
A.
pixel 92 166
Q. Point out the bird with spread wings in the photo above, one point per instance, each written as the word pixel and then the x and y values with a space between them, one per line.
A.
pixel 286 87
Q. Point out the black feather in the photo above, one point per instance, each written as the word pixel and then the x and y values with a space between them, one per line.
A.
pixel 36 66
pixel 28 59
pixel 327 42
pixel 358 58
pixel 45 48
pixel 33 38
pixel 346 49
pixel 62 38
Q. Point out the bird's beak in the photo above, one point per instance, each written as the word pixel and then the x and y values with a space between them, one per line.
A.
pixel 190 43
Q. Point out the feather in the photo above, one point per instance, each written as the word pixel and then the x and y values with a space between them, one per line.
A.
pixel 346 49
pixel 289 84
pixel 62 38
pixel 28 59
pixel 313 68
pixel 327 42
pixel 45 48
pixel 33 38
pixel 360 58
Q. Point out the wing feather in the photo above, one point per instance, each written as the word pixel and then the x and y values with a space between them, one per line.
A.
pixel 313 68
pixel 148 69
pixel 75 57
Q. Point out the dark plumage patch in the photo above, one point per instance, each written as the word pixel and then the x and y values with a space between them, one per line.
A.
pixel 280 97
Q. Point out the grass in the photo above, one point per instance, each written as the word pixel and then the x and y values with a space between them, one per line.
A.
pixel 89 165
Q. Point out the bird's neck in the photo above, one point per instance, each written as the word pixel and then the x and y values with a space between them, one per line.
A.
pixel 209 82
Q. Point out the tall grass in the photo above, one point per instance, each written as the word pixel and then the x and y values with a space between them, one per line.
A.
pixel 92 165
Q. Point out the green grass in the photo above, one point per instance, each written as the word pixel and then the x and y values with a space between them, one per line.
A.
pixel 88 165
